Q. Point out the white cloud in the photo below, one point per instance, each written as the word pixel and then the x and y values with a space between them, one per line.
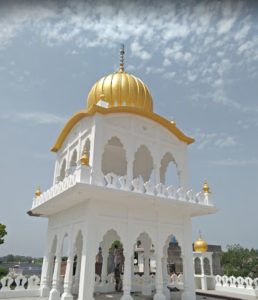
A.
pixel 152 70
pixel 204 40
pixel 243 32
pixel 224 26
pixel 225 142
pixel 211 140
pixel 169 75
pixel 33 117
pixel 235 163
pixel 248 123
pixel 138 51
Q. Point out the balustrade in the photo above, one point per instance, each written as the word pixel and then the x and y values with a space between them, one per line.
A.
pixel 19 286
pixel 241 285
pixel 82 174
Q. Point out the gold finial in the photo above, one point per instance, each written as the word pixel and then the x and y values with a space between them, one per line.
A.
pixel 84 159
pixel 37 192
pixel 173 122
pixel 122 52
pixel 206 188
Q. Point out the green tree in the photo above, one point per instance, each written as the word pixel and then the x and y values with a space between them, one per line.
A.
pixel 3 232
pixel 240 261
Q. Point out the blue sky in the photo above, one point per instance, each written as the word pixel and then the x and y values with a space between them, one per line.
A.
pixel 200 62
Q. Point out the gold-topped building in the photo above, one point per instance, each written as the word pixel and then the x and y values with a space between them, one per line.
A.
pixel 111 183
pixel 200 245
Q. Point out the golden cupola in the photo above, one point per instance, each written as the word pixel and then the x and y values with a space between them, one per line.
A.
pixel 121 89
pixel 200 245
pixel 119 92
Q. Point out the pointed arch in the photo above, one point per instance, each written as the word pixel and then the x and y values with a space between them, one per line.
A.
pixel 168 170
pixel 173 262
pixel 197 266
pixel 114 158
pixel 73 161
pixel 62 170
pixel 86 147
pixel 143 163
pixel 144 255
pixel 53 245
pixel 206 266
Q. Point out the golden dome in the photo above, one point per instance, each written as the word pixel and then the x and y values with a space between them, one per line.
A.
pixel 200 245
pixel 121 89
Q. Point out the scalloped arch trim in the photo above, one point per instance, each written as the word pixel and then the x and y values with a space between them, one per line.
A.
pixel 122 109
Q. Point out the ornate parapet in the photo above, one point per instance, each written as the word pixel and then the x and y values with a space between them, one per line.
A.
pixel 84 174
pixel 239 285
pixel 20 286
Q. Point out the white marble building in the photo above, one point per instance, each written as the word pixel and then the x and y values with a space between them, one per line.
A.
pixel 110 183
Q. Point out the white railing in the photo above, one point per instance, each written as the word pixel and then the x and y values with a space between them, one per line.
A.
pixel 240 285
pixel 82 174
pixel 79 175
pixel 143 282
pixel 20 286
pixel 175 281
pixel 137 185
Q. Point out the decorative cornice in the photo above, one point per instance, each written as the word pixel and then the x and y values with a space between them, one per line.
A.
pixel 121 109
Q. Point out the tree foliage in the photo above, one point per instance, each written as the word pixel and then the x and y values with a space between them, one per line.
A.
pixel 3 232
pixel 240 261
pixel 10 258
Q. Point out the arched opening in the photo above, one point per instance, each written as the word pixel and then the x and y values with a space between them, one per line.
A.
pixel 63 262
pixel 206 266
pixel 73 161
pixel 86 147
pixel 144 265
pixel 197 266
pixel 172 263
pixel 114 158
pixel 174 259
pixel 168 170
pixel 62 170
pixel 51 265
pixel 109 263
pixel 77 263
pixel 143 163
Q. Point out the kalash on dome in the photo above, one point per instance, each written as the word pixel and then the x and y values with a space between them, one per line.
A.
pixel 111 187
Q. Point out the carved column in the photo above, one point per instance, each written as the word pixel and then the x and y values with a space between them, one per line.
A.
pixel 157 173
pixel 127 277
pixel 147 286
pixel 77 274
pixel 96 150
pixel 104 267
pixel 55 292
pixel 68 280
pixel 130 159
pixel 159 279
pixel 188 267
pixel 90 245
pixel 46 275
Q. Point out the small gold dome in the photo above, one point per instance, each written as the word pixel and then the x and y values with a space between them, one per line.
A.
pixel 206 188
pixel 200 245
pixel 121 89
pixel 37 192
pixel 84 159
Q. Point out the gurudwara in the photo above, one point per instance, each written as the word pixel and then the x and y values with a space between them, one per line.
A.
pixel 112 207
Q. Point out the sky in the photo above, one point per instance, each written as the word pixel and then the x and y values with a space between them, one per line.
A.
pixel 200 62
